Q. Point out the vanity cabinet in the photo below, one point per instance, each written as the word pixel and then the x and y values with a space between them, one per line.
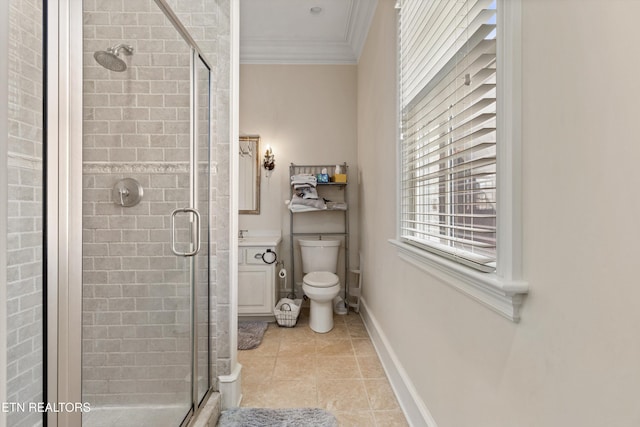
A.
pixel 257 289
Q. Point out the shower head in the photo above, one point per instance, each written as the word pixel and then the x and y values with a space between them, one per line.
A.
pixel 110 58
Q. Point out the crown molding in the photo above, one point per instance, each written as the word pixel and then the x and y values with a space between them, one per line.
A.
pixel 296 52
pixel 343 49
pixel 360 22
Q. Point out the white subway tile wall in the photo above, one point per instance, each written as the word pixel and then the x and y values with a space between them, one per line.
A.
pixel 221 33
pixel 25 206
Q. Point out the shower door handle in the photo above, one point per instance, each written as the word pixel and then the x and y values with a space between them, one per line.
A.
pixel 196 244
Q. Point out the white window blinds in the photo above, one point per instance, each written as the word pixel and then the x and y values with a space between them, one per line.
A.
pixel 448 117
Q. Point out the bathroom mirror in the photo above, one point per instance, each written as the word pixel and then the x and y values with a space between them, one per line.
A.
pixel 249 182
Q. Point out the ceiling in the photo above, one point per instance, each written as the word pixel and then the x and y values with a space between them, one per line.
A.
pixel 288 32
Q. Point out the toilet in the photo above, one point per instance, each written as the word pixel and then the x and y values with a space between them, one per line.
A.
pixel 320 283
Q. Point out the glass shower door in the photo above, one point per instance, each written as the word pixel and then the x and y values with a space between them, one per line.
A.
pixel 142 278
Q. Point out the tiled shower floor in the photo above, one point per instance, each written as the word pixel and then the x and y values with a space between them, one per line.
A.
pixel 134 416
pixel 338 371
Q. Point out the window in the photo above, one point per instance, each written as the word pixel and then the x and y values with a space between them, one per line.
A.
pixel 459 102
pixel 448 139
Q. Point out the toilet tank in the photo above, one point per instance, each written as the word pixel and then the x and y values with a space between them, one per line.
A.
pixel 319 255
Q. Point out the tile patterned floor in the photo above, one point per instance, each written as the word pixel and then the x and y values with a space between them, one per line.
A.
pixel 338 371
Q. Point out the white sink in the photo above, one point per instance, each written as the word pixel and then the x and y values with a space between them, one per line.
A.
pixel 258 239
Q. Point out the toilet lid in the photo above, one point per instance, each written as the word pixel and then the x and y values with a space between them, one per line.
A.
pixel 321 279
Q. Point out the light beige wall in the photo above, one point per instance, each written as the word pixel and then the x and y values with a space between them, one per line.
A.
pixel 574 359
pixel 307 113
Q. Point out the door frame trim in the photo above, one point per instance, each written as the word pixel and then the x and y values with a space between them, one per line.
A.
pixel 64 207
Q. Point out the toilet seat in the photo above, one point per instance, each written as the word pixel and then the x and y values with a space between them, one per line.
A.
pixel 321 279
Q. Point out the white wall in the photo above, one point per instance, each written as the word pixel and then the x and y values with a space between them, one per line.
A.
pixel 307 113
pixel 574 359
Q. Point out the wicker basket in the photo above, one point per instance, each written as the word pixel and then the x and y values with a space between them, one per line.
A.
pixel 287 312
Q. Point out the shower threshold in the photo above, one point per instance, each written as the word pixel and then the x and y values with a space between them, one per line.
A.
pixel 134 416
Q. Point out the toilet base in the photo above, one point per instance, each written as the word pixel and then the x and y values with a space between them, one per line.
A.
pixel 321 316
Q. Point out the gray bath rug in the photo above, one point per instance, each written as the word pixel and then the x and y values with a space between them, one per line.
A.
pixel 250 334
pixel 261 417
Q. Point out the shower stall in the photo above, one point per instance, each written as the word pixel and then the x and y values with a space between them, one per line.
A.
pixel 146 175
pixel 117 259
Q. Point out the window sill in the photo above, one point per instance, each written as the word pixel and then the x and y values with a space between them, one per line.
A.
pixel 502 296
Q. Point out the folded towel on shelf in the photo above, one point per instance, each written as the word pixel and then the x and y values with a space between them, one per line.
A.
pixel 299 204
pixel 302 208
pixel 304 178
pixel 306 192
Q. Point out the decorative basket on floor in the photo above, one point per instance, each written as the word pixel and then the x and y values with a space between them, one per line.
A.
pixel 287 312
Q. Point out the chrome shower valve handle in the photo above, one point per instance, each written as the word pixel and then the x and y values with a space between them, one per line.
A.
pixel 127 192
pixel 124 193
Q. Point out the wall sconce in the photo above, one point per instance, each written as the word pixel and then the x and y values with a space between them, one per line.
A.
pixel 269 159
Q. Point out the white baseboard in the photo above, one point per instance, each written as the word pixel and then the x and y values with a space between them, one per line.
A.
pixel 231 388
pixel 413 407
